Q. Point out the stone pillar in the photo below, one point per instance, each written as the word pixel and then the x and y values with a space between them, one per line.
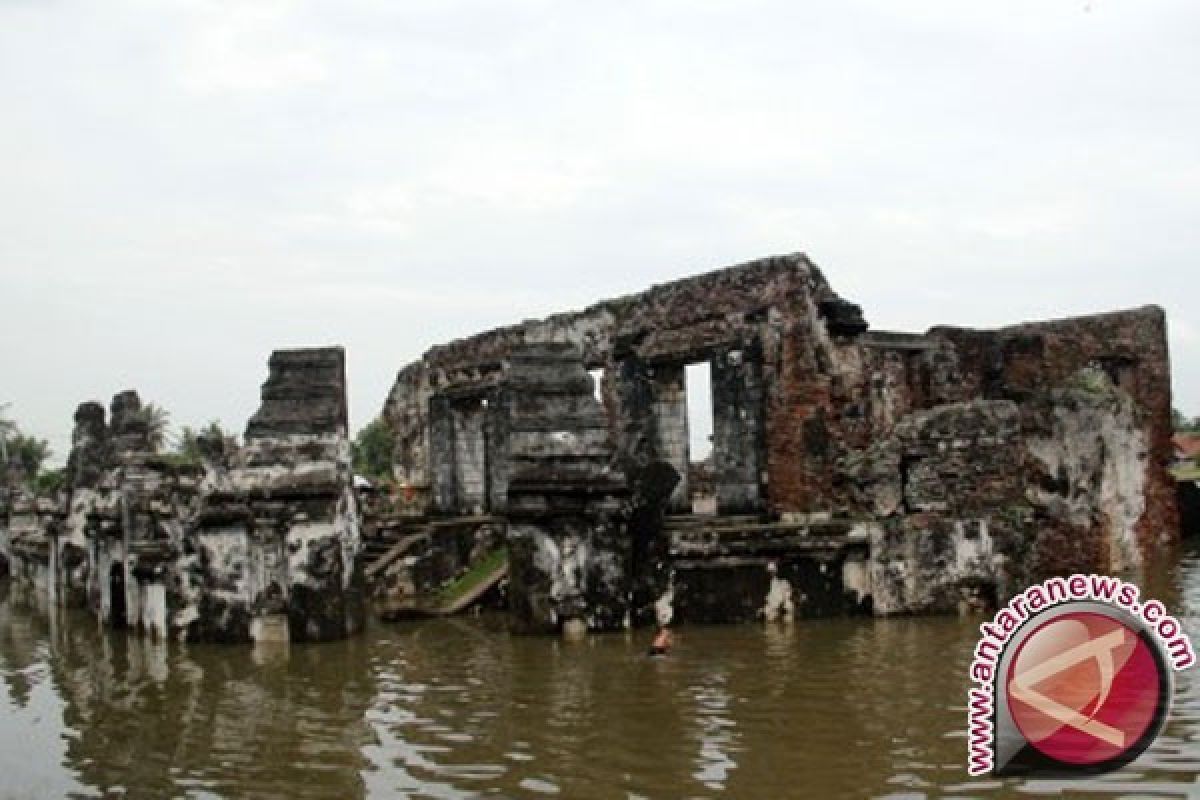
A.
pixel 739 407
pixel 278 533
pixel 496 425
pixel 442 455
pixel 91 455
pixel 569 547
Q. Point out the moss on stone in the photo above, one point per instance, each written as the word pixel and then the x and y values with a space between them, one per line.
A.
pixel 469 580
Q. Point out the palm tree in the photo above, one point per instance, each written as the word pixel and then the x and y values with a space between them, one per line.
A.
pixel 156 419
pixel 214 430
pixel 187 443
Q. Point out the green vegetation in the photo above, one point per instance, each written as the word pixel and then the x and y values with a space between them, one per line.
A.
pixel 1187 473
pixel 449 594
pixel 27 454
pixel 187 443
pixel 1093 381
pixel 50 481
pixel 1183 424
pixel 372 449
pixel 156 419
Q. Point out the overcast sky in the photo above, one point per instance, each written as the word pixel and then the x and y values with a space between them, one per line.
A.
pixel 189 185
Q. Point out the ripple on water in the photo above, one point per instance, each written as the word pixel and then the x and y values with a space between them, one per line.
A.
pixel 453 709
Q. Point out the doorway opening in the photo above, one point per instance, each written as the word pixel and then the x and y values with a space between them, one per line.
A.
pixel 117 613
pixel 701 474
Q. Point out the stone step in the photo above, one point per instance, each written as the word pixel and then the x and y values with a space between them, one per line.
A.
pixel 376 565
pixel 767 546
pixel 693 521
pixel 735 525
pixel 435 526
pixel 771 538
pixel 375 549
pixel 454 598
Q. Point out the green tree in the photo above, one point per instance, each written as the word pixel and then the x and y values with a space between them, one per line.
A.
pixel 372 449
pixel 156 419
pixel 1182 424
pixel 50 481
pixel 187 443
pixel 29 452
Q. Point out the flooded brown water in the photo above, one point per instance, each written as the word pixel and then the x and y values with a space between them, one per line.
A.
pixel 459 708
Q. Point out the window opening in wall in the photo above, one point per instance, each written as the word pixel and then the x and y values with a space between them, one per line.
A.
pixel 597 384
pixel 701 476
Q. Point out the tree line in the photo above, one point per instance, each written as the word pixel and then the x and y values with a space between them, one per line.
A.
pixel 27 455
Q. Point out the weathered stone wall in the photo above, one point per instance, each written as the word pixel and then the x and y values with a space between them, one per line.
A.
pixel 257 542
pixel 990 495
pixel 305 393
pixel 976 459
pixel 952 467
pixel 31 557
pixel 734 319
pixel 277 535
pixel 1130 347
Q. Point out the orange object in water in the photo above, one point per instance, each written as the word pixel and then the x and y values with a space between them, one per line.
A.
pixel 662 643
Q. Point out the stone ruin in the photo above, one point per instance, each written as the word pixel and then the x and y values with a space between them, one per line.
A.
pixel 853 470
pixel 277 532
pixel 545 468
pixel 254 543
pixel 567 535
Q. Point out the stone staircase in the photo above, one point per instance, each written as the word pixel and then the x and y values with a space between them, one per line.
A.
pixel 707 541
pixel 391 539
pixel 417 566
pixel 455 597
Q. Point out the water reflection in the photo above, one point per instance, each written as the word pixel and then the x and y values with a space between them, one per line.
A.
pixel 457 709
pixel 143 719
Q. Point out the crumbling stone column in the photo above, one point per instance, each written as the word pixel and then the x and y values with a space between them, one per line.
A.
pixel 90 457
pixel 569 548
pixel 275 542
pixel 739 420
pixel 32 531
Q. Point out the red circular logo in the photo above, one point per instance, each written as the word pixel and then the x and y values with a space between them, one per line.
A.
pixel 1084 689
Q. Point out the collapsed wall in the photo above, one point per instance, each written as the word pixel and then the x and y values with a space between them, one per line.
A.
pixel 252 543
pixel 276 536
pixel 967 462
